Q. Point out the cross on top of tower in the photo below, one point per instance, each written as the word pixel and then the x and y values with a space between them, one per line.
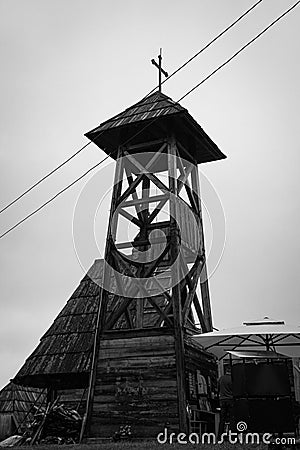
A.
pixel 160 69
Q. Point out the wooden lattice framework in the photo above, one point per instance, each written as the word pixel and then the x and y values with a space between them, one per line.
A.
pixel 177 307
pixel 136 175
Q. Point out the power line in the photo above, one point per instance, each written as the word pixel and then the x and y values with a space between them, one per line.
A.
pixel 207 45
pixel 44 178
pixel 184 96
pixel 54 197
pixel 220 67
pixel 170 76
pixel 241 49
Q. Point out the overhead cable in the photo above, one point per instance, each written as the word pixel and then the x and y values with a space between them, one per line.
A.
pixel 184 96
pixel 170 76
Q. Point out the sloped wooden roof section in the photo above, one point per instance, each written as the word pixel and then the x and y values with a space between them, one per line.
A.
pixel 156 105
pixel 154 117
pixel 19 400
pixel 63 356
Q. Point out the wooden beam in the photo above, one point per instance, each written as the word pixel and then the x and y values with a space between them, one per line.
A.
pixel 188 277
pixel 141 287
pixel 200 314
pixel 139 312
pixel 160 311
pixel 115 315
pixel 189 251
pixel 191 294
pixel 155 180
pixel 126 302
pixel 139 243
pixel 145 196
pixel 139 166
pixel 157 210
pixel 131 218
pixel 141 201
pixel 117 274
pixel 191 197
pixel 184 174
pixel 151 300
pixel 167 311
pixel 165 293
pixel 203 276
pixel 134 195
pixel 196 188
pixel 150 268
pixel 183 177
pixel 186 272
pixel 162 225
pixel 129 318
pixel 155 263
pixel 190 324
pixel 103 297
pixel 131 189
pixel 206 298
pixel 145 144
pixel 176 293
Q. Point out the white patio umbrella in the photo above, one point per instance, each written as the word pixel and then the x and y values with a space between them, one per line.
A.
pixel 264 334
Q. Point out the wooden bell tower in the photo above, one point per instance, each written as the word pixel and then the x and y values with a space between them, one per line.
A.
pixel 149 306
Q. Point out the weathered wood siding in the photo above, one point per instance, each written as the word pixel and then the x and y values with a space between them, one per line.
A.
pixel 8 425
pixel 201 383
pixel 73 398
pixel 135 385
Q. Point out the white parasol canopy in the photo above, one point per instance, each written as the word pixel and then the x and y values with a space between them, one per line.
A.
pixel 266 334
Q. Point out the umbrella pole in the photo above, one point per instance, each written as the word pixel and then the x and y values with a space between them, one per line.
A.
pixel 267 342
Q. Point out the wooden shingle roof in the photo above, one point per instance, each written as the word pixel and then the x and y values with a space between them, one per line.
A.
pixel 155 117
pixel 63 356
pixel 156 105
pixel 19 400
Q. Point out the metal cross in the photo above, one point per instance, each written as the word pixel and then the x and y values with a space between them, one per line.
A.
pixel 160 69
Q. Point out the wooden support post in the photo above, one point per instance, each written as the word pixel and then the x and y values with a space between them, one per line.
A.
pixel 198 308
pixel 145 211
pixel 191 294
pixel 176 293
pixel 139 312
pixel 102 302
pixel 206 298
pixel 203 276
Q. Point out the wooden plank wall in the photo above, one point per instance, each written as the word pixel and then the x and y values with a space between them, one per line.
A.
pixel 73 398
pixel 7 425
pixel 197 359
pixel 135 385
pixel 189 231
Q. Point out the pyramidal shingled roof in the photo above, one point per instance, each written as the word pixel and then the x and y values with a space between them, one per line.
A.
pixel 154 106
pixel 154 117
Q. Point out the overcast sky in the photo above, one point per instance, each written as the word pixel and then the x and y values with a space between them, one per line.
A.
pixel 68 65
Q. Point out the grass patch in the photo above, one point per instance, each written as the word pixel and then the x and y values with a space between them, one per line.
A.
pixel 144 445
